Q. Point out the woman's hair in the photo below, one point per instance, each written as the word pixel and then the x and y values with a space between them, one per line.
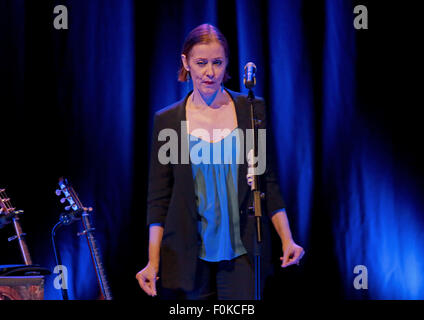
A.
pixel 205 33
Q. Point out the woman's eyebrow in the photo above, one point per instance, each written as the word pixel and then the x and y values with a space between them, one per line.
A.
pixel 200 58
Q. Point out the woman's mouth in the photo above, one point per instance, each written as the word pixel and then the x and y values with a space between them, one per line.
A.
pixel 208 82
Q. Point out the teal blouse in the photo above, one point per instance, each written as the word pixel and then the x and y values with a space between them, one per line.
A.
pixel 215 170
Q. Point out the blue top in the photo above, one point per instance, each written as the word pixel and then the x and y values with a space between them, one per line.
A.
pixel 215 172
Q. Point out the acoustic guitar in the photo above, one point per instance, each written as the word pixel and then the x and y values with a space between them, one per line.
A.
pixel 80 212
pixel 8 214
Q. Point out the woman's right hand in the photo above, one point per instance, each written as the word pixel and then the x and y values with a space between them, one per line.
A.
pixel 147 279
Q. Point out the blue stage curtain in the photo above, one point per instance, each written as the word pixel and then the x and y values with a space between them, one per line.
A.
pixel 374 198
pixel 98 78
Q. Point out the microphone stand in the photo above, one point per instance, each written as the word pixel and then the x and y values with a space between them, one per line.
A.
pixel 65 219
pixel 257 196
pixel 58 257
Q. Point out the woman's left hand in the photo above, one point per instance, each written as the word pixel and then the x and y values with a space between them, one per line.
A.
pixel 292 253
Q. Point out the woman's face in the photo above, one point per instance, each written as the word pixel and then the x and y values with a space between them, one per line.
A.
pixel 207 64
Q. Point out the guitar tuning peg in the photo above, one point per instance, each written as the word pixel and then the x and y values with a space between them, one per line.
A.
pixel 62 200
pixel 58 192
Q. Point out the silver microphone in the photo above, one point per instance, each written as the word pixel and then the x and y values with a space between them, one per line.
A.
pixel 249 75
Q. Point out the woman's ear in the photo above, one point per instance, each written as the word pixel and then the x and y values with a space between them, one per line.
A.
pixel 185 62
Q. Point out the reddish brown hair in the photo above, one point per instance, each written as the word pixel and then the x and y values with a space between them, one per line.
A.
pixel 205 33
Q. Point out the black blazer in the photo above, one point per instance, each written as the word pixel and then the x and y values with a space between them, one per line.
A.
pixel 171 198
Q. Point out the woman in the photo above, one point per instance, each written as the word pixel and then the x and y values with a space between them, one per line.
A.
pixel 200 228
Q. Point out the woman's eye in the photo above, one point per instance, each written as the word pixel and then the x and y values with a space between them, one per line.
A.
pixel 201 63
pixel 218 62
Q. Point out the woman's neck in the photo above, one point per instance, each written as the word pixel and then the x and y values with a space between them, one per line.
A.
pixel 214 101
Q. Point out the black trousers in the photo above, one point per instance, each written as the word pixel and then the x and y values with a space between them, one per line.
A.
pixel 224 280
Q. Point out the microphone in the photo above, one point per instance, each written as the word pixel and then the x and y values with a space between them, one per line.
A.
pixel 249 75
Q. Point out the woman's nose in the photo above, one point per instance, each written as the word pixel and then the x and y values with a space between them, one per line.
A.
pixel 209 70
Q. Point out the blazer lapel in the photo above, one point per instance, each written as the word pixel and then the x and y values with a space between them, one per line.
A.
pixel 185 168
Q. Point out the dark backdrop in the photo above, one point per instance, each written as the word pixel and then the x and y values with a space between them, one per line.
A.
pixel 343 105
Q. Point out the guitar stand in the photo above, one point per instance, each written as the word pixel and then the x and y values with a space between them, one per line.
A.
pixel 57 256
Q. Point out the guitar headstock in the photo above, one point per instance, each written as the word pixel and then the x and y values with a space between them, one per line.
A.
pixel 69 195
pixel 6 207
pixel 7 211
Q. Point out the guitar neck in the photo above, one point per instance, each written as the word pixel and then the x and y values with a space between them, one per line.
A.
pixel 95 255
pixel 12 215
pixel 22 243
pixel 75 204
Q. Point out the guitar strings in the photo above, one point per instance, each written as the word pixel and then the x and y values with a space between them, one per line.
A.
pixel 7 204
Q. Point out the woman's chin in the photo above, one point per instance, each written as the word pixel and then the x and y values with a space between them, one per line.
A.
pixel 208 90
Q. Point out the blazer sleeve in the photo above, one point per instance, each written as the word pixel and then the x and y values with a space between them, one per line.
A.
pixel 269 181
pixel 160 181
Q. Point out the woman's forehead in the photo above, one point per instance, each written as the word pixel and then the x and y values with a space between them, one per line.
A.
pixel 208 50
